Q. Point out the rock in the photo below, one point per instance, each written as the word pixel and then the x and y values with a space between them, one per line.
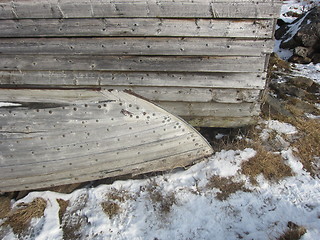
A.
pixel 307 35
pixel 302 35
pixel 298 59
pixel 301 82
pixel 303 51
pixel 316 58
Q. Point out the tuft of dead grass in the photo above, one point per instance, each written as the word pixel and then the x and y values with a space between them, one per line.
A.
pixel 161 201
pixel 226 186
pixel 270 165
pixel 294 232
pixel 110 208
pixel 5 206
pixel 72 219
pixel 20 217
pixel 308 144
pixel 265 162
pixel 276 65
pixel 120 195
pixel 63 208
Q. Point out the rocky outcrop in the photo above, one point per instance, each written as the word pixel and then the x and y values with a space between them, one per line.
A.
pixel 303 36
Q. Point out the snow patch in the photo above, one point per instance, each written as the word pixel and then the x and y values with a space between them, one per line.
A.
pixel 281 127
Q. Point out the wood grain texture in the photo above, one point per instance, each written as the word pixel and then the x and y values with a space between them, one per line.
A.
pixel 132 63
pixel 19 9
pixel 146 46
pixel 138 27
pixel 81 79
pixel 177 94
pixel 201 109
pixel 49 146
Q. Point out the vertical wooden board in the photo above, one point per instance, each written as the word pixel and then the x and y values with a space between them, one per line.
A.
pixel 118 27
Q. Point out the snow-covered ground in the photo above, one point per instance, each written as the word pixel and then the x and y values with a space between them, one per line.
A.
pixel 194 211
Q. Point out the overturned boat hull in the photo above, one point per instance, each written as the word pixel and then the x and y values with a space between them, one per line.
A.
pixel 57 137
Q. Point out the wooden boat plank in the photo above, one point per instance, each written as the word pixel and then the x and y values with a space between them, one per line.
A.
pixel 19 9
pixel 151 46
pixel 148 79
pixel 43 181
pixel 132 63
pixel 68 147
pixel 142 27
pixel 30 165
pixel 116 158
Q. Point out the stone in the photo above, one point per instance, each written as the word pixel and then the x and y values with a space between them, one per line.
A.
pixel 298 59
pixel 303 51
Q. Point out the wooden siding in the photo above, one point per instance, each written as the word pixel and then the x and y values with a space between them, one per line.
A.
pixel 20 9
pixel 203 60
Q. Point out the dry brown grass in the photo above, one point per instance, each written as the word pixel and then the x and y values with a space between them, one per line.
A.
pixel 226 186
pixel 277 65
pixel 110 208
pixel 270 165
pixel 120 195
pixel 294 232
pixel 308 145
pixel 71 217
pixel 63 208
pixel 265 162
pixel 5 206
pixel 161 201
pixel 20 217
pixel 230 140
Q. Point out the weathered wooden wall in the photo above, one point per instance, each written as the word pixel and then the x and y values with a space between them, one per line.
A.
pixel 204 60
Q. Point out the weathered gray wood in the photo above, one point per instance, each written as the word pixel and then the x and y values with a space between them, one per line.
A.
pixel 223 122
pixel 212 109
pixel 148 8
pixel 156 165
pixel 105 79
pixel 132 63
pixel 137 46
pixel 183 94
pixel 126 27
pixel 132 135
pixel 179 94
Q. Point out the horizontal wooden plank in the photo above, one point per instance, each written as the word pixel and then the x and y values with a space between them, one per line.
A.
pixel 132 63
pixel 148 8
pixel 104 79
pixel 223 122
pixel 181 94
pixel 137 46
pixel 126 27
pixel 212 109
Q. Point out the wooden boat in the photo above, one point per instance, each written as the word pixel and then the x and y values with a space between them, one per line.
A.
pixel 204 61
pixel 51 139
